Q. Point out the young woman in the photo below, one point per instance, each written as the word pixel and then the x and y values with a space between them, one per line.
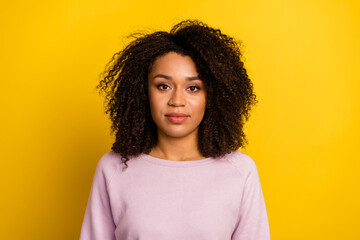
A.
pixel 178 102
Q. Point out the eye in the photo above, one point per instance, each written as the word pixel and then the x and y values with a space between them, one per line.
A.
pixel 162 86
pixel 194 88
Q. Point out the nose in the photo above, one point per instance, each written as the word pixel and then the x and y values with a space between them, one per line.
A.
pixel 177 98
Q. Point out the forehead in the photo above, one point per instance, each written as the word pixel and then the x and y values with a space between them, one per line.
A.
pixel 175 64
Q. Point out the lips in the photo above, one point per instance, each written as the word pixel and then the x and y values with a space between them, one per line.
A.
pixel 176 117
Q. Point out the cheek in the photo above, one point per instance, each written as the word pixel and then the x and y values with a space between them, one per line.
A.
pixel 155 102
pixel 152 98
pixel 201 103
pixel 198 106
pixel 153 106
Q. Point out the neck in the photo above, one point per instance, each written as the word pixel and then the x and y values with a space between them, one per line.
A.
pixel 177 149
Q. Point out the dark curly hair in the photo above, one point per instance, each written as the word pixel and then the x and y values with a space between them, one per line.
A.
pixel 217 57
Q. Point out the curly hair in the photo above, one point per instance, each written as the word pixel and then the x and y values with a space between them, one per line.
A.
pixel 218 60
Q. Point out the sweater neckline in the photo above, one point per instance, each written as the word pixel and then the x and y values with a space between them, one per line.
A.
pixel 171 163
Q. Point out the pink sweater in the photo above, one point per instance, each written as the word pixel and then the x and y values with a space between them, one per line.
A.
pixel 157 199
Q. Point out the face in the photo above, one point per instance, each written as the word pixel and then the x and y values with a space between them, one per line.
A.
pixel 177 96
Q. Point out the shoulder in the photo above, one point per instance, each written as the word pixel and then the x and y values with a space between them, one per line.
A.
pixel 110 160
pixel 108 164
pixel 244 164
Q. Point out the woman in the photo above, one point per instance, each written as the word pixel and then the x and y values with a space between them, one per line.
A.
pixel 178 102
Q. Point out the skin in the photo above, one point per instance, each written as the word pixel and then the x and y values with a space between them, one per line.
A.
pixel 174 87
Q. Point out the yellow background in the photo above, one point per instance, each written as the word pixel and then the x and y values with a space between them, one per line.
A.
pixel 302 55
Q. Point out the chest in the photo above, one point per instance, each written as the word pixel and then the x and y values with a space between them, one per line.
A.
pixel 181 205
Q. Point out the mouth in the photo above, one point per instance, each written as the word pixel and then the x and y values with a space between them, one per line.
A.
pixel 176 117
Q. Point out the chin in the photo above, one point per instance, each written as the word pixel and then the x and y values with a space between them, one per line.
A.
pixel 178 134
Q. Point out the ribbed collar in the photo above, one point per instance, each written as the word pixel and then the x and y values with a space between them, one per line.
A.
pixel 170 163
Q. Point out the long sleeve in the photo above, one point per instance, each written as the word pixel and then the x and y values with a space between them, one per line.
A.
pixel 253 220
pixel 98 223
pixel 211 198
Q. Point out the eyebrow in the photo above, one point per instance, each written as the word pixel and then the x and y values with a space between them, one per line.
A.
pixel 170 78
